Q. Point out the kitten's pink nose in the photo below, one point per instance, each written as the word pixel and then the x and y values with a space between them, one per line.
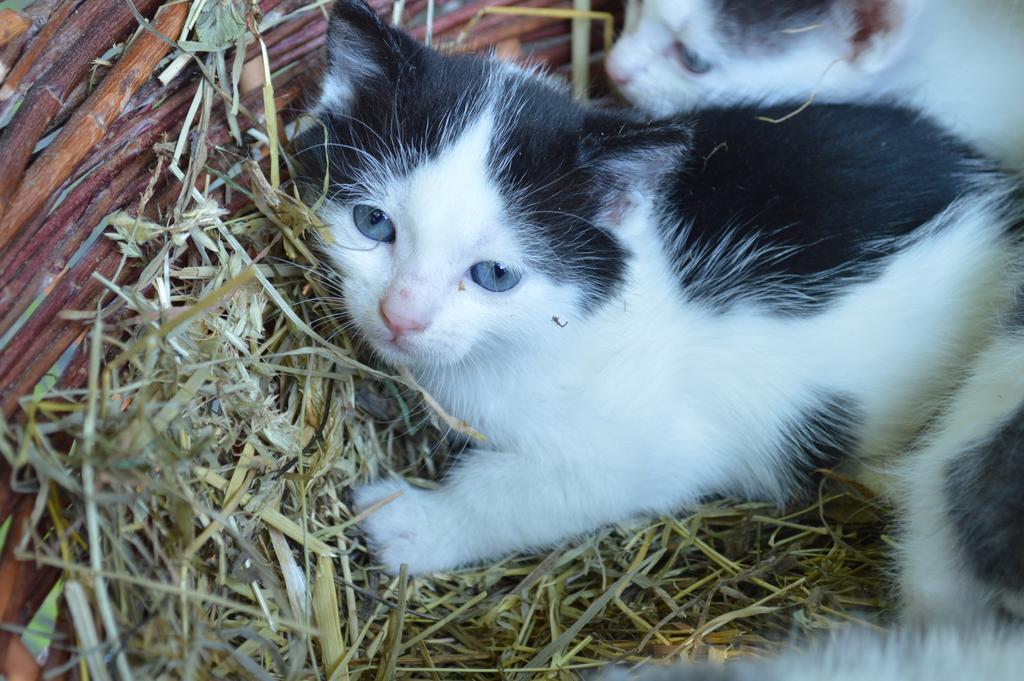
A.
pixel 400 322
pixel 619 75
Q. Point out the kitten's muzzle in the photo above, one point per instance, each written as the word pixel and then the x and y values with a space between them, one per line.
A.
pixel 398 321
pixel 617 72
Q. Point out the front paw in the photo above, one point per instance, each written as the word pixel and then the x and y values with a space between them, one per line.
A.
pixel 410 528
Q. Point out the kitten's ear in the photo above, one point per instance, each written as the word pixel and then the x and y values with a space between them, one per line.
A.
pixel 361 51
pixel 632 158
pixel 875 30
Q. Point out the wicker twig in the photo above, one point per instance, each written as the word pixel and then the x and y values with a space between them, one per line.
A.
pixel 48 45
pixel 454 20
pixel 40 252
pixel 100 193
pixel 44 99
pixel 25 358
pixel 28 584
pixel 12 25
pixel 90 123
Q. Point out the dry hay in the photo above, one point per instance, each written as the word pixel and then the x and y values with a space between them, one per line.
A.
pixel 198 489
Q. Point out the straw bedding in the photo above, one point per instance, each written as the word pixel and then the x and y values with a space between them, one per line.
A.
pixel 192 486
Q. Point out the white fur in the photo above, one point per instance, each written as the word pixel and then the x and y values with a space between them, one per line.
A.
pixel 650 402
pixel 960 61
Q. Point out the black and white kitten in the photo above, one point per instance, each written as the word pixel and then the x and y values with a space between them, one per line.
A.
pixel 638 315
pixel 960 61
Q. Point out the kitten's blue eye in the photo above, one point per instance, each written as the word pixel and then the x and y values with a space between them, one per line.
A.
pixel 373 223
pixel 691 60
pixel 494 276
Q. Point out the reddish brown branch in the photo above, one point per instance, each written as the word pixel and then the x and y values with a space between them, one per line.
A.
pixel 44 99
pixel 14 578
pixel 90 123
pixel 455 19
pixel 45 337
pixel 37 14
pixel 45 49
pixel 12 25
pixel 69 225
pixel 41 263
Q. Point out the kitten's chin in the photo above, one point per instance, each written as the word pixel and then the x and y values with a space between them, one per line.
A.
pixel 411 352
pixel 663 96
pixel 394 351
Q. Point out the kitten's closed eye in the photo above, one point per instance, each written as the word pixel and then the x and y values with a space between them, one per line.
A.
pixel 373 223
pixel 690 60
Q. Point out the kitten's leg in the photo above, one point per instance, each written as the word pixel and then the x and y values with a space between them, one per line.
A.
pixel 496 503
pixel 963 544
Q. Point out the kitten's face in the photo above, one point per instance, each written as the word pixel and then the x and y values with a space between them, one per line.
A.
pixel 468 204
pixel 432 263
pixel 684 54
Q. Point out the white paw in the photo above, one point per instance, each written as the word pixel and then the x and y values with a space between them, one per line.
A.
pixel 409 529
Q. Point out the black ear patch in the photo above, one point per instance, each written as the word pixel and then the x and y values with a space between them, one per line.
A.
pixel 768 25
pixel 626 158
pixel 361 51
pixel 630 155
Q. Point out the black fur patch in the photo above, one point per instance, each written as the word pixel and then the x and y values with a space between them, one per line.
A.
pixel 985 492
pixel 822 435
pixel 760 24
pixel 823 438
pixel 822 197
